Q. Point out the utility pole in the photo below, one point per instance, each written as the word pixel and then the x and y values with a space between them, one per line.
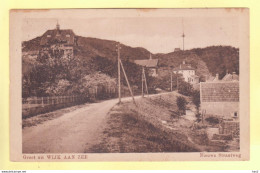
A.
pixel 119 75
pixel 177 84
pixel 171 80
pixel 127 81
pixel 144 81
pixel 146 85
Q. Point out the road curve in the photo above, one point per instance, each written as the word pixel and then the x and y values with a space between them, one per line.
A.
pixel 73 132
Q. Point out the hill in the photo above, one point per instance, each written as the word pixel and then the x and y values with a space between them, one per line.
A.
pixel 213 59
pixel 93 55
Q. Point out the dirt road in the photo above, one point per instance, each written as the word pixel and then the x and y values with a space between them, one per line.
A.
pixel 73 132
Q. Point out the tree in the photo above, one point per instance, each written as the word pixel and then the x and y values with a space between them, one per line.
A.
pixel 185 88
pixel 181 103
pixel 196 99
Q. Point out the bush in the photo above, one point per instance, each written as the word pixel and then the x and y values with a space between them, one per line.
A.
pixel 185 88
pixel 196 99
pixel 181 103
pixel 198 116
pixel 212 120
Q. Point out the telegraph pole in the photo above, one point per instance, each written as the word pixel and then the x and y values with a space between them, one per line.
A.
pixel 146 85
pixel 177 84
pixel 119 75
pixel 143 82
pixel 127 81
pixel 171 80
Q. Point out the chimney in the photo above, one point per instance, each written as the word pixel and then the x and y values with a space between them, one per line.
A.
pixel 217 76
pixel 58 26
pixel 233 74
pixel 150 56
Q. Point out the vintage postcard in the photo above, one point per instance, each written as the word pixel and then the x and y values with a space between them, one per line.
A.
pixel 129 85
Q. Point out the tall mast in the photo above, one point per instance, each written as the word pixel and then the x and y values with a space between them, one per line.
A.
pixel 183 35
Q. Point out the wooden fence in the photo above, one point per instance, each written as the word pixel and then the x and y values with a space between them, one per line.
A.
pixel 230 127
pixel 36 105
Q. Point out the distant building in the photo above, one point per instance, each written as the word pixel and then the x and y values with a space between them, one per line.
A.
pixel 187 72
pixel 231 77
pixel 177 49
pixel 150 64
pixel 220 99
pixel 227 77
pixel 58 42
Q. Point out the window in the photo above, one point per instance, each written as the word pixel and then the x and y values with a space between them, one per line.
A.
pixel 235 114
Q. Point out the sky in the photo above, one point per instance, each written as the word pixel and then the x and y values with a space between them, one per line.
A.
pixel 156 34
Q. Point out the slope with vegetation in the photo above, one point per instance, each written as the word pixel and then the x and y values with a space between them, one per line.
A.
pixel 92 55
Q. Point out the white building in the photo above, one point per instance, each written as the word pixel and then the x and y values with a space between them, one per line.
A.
pixel 187 72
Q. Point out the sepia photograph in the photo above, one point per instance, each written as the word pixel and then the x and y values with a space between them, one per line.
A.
pixel 129 84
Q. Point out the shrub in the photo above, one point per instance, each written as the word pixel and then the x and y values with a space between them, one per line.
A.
pixel 185 88
pixel 198 116
pixel 196 99
pixel 181 103
pixel 212 120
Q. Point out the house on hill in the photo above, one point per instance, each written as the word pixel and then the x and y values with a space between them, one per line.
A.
pixel 177 49
pixel 231 77
pixel 150 64
pixel 58 41
pixel 187 72
pixel 220 99
pixel 227 77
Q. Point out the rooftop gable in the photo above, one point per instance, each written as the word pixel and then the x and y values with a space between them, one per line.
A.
pixel 67 36
pixel 219 91
pixel 231 77
pixel 183 67
pixel 147 62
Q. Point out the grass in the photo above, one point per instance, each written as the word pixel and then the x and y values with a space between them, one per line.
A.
pixel 153 126
pixel 127 132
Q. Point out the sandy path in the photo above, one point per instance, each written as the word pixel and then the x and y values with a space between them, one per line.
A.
pixel 73 132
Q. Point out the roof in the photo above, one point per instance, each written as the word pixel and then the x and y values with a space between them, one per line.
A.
pixel 231 77
pixel 211 78
pixel 219 91
pixel 147 62
pixel 66 36
pixel 194 76
pixel 183 67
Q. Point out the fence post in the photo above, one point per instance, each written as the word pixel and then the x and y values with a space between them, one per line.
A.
pixel 96 92
pixel 42 102
pixel 29 105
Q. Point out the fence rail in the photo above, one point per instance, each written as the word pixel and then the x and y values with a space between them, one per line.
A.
pixel 42 101
pixel 36 105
